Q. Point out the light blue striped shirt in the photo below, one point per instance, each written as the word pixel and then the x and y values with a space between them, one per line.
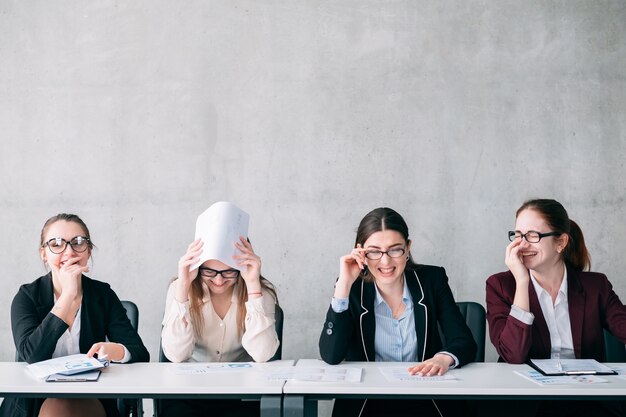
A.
pixel 395 339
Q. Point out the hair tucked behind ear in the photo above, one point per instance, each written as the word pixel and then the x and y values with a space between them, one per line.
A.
pixel 553 212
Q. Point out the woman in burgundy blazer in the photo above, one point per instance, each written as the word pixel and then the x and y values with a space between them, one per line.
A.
pixel 546 306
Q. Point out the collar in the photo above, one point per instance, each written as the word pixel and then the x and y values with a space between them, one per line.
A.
pixel 540 290
pixel 378 298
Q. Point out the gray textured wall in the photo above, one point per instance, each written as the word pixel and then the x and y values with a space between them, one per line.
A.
pixel 138 115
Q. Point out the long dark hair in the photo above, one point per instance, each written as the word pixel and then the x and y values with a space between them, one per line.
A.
pixel 377 220
pixel 553 212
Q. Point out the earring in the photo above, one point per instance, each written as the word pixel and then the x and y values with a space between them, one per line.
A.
pixel 407 257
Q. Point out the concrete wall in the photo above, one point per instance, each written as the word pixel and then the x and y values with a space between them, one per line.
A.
pixel 138 115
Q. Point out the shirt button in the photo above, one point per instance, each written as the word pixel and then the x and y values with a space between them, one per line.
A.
pixel 329 331
pixel 330 324
pixel 221 324
pixel 218 352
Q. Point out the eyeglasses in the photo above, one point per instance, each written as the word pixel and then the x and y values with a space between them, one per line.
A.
pixel 78 244
pixel 530 236
pixel 392 253
pixel 212 273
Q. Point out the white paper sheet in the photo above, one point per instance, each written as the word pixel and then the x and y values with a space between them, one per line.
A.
pixel 219 227
pixel 210 368
pixel 400 373
pixel 317 374
pixel 538 378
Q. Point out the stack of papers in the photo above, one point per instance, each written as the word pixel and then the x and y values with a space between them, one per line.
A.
pixel 555 367
pixel 66 365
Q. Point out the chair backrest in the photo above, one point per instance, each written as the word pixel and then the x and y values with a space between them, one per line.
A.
pixel 475 318
pixel 614 350
pixel 132 312
pixel 279 316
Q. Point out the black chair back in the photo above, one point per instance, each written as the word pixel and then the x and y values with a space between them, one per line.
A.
pixel 614 350
pixel 476 320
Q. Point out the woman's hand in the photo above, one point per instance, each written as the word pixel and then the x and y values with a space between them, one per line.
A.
pixel 350 266
pixel 107 350
pixel 185 274
pixel 513 260
pixel 437 365
pixel 68 277
pixel 249 263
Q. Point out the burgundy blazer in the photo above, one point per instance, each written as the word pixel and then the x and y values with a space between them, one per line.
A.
pixel 593 306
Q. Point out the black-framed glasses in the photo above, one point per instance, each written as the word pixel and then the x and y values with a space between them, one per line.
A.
pixel 530 236
pixel 225 273
pixel 78 244
pixel 377 254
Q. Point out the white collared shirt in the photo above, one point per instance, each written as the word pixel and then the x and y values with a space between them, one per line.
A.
pixel 557 318
pixel 395 339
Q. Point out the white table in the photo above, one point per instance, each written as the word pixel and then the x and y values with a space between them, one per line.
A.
pixel 477 381
pixel 153 380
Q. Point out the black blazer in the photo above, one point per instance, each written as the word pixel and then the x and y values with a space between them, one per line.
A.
pixel 36 331
pixel 349 335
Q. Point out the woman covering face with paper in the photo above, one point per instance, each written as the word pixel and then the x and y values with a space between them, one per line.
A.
pixel 219 309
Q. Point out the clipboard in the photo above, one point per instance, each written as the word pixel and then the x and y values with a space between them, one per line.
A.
pixel 561 367
pixel 89 376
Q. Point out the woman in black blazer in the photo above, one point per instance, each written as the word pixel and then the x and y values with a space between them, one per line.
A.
pixel 379 293
pixel 46 322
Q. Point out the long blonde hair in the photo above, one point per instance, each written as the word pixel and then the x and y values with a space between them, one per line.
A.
pixel 197 293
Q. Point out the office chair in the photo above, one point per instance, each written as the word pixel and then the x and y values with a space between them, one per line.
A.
pixel 475 318
pixel 127 406
pixel 278 325
pixel 614 350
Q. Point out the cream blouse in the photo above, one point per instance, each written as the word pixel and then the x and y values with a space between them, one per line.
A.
pixel 220 340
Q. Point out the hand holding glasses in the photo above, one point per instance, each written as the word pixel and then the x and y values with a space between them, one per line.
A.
pixel 378 254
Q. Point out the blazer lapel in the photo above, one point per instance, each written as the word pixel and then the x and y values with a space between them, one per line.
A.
pixel 419 309
pixel 368 319
pixel 576 306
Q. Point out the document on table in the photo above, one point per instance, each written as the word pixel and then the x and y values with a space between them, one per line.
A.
pixel 318 374
pixel 538 378
pixel 400 373
pixel 555 367
pixel 89 376
pixel 66 365
pixel 210 368
pixel 219 227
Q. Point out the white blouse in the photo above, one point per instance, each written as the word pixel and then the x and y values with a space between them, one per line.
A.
pixel 220 340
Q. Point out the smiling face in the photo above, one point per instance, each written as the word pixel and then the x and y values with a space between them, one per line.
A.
pixel 66 230
pixel 387 270
pixel 218 285
pixel 544 254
